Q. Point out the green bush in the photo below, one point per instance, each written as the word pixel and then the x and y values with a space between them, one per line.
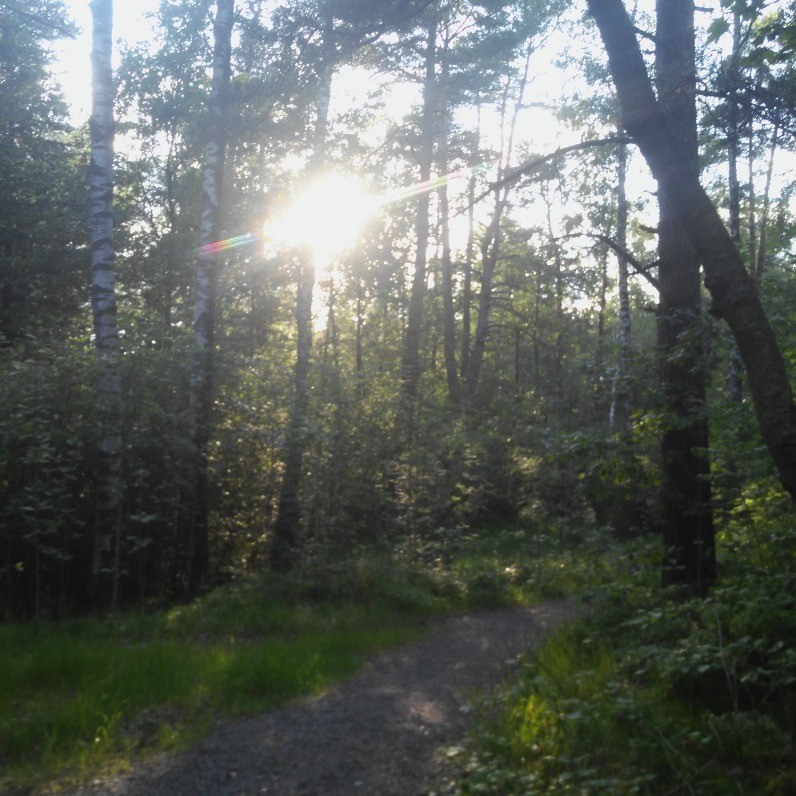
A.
pixel 652 695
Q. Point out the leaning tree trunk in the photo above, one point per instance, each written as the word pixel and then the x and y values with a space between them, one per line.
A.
pixel 733 293
pixel 194 541
pixel 103 302
pixel 687 512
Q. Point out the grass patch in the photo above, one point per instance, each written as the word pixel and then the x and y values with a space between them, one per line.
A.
pixel 72 703
pixel 87 695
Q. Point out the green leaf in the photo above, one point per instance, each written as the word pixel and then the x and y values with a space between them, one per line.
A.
pixel 718 28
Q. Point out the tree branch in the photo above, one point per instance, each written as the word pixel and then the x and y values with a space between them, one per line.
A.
pixel 633 262
pixel 39 20
pixel 532 165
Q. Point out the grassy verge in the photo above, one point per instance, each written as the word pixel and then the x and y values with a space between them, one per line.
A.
pixel 88 695
pixel 655 693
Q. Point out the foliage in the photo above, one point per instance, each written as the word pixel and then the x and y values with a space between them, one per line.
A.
pixel 654 693
pixel 518 493
pixel 44 483
pixel 42 164
pixel 87 693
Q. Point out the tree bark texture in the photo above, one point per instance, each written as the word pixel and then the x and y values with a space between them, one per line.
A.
pixel 733 293
pixel 195 552
pixel 103 299
pixel 687 512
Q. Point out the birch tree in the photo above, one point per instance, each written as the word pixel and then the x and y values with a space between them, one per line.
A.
pixel 410 362
pixel 103 300
pixel 195 554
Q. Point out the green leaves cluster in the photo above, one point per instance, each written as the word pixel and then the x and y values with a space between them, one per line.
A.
pixel 652 694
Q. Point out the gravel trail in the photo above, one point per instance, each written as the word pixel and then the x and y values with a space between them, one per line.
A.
pixel 383 732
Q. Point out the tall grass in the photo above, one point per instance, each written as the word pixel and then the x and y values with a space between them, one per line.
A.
pixel 70 701
pixel 90 694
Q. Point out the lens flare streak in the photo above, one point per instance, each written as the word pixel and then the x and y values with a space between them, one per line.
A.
pixel 229 243
pixel 433 184
pixel 427 186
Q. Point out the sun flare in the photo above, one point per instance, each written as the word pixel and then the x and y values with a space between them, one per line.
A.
pixel 325 217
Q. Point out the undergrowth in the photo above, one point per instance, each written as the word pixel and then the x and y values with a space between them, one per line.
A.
pixel 88 695
pixel 658 692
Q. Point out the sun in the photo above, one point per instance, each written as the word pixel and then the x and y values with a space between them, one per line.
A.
pixel 325 217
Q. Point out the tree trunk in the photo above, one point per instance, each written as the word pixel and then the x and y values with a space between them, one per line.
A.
pixel 467 277
pixel 733 293
pixel 734 185
pixel 760 258
pixel 195 546
pixel 107 533
pixel 448 317
pixel 598 388
pixel 284 545
pixel 620 393
pixel 490 244
pixel 687 512
pixel 558 284
pixel 410 363
pixel 285 540
pixel 490 247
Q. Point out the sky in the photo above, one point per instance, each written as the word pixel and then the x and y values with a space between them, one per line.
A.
pixel 74 56
pixel 73 70
pixel 73 64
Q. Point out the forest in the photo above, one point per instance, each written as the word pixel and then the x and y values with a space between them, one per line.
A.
pixel 475 302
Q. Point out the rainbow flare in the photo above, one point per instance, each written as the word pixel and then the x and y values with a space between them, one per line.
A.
pixel 229 243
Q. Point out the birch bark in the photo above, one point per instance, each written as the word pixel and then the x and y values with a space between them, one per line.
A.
pixel 195 547
pixel 103 301
pixel 410 362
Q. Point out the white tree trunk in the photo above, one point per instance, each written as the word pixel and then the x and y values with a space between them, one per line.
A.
pixel 195 534
pixel 103 297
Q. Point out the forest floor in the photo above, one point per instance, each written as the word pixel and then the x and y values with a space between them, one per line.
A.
pixel 388 731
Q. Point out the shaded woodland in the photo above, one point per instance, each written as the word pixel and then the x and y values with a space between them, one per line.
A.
pixel 524 327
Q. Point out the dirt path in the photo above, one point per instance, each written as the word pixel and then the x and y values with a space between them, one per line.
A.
pixel 383 732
